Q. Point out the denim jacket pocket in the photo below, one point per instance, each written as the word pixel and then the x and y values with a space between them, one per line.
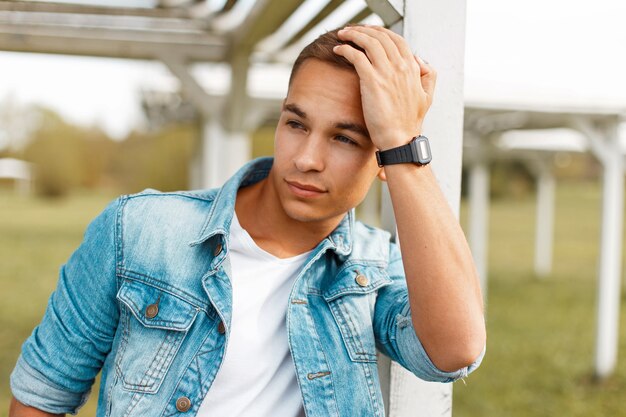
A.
pixel 154 324
pixel 351 300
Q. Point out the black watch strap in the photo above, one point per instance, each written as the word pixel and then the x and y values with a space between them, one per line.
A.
pixel 417 151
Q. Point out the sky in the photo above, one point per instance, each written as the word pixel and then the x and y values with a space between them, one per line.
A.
pixel 535 51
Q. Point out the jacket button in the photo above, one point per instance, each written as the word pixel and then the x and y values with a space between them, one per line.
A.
pixel 362 280
pixel 152 310
pixel 183 404
pixel 218 249
pixel 220 328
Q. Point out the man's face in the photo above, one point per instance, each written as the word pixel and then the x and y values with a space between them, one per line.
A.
pixel 324 161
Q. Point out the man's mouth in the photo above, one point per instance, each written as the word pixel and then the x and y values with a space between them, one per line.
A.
pixel 304 190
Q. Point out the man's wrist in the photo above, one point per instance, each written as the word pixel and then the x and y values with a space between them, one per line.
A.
pixel 417 152
pixel 396 138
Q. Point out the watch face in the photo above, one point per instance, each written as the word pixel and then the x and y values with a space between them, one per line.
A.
pixel 422 148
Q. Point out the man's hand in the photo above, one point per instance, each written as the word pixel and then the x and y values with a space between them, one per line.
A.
pixel 396 86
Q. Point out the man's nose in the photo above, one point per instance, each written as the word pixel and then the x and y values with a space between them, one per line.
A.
pixel 310 156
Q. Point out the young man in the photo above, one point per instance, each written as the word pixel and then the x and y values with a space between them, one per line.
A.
pixel 265 297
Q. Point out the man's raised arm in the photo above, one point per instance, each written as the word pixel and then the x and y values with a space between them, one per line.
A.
pixel 444 293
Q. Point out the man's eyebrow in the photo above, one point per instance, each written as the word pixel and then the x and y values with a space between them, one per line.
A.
pixel 295 109
pixel 353 127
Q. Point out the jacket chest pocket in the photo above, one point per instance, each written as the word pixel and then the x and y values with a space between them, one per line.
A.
pixel 154 325
pixel 352 299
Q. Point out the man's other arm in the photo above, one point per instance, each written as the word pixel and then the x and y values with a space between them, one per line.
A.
pixel 60 360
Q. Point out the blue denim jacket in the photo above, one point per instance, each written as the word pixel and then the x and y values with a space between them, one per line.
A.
pixel 147 299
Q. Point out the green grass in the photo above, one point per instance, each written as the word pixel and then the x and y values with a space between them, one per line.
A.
pixel 541 332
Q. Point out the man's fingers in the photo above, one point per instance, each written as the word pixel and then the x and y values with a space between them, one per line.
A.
pixel 388 45
pixel 372 46
pixel 428 76
pixel 362 65
pixel 401 44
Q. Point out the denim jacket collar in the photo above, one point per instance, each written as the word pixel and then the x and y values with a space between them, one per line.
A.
pixel 219 218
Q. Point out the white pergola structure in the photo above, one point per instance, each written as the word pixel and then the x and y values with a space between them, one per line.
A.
pixel 531 132
pixel 245 35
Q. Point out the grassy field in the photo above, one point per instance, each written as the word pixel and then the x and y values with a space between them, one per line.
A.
pixel 540 331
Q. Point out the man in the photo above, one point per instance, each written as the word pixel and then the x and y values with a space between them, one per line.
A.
pixel 265 297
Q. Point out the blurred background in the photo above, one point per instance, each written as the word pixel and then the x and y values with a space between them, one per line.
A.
pixel 102 98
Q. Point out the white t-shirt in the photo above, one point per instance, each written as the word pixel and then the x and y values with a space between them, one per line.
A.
pixel 257 377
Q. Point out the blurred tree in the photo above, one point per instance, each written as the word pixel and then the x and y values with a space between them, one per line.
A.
pixel 157 160
pixel 67 156
pixel 57 150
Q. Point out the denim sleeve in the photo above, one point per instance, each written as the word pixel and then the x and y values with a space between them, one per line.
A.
pixel 394 332
pixel 61 358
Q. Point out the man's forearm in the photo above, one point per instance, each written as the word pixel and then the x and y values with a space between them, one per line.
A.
pixel 444 292
pixel 20 410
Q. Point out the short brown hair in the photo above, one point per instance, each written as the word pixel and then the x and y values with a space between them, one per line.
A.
pixel 322 50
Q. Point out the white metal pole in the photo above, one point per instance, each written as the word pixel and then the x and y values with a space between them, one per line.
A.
pixel 223 153
pixel 610 258
pixel 544 227
pixel 478 224
pixel 436 31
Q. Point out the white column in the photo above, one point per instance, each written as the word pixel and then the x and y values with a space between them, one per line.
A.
pixel 544 227
pixel 610 257
pixel 478 224
pixel 436 31
pixel 223 153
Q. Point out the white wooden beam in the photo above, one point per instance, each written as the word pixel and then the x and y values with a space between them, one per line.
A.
pixel 544 226
pixel 478 224
pixel 107 42
pixel 610 268
pixel 605 144
pixel 224 152
pixel 39 6
pixel 237 104
pixel 390 11
pixel 265 18
pixel 428 25
pixel 202 101
pixel 113 21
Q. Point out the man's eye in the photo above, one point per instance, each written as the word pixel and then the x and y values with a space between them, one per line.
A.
pixel 294 124
pixel 345 139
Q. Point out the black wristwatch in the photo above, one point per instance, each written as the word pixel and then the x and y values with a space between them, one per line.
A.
pixel 417 152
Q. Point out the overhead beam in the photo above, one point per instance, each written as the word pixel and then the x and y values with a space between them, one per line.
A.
pixel 390 11
pixel 109 42
pixel 136 23
pixel 264 18
pixel 190 86
pixel 330 7
pixel 229 5
pixel 360 15
pixel 31 6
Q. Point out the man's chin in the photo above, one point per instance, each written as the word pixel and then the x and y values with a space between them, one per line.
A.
pixel 309 215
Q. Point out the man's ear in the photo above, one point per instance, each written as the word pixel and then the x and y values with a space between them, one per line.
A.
pixel 381 174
